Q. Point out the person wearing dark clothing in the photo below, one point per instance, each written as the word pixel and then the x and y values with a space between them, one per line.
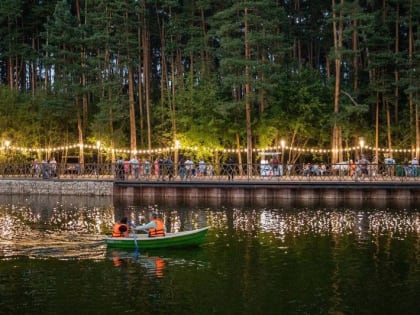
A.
pixel 169 168
pixel 119 168
pixel 181 168
pixel 230 165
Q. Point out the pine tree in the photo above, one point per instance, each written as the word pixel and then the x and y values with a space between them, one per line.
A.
pixel 245 31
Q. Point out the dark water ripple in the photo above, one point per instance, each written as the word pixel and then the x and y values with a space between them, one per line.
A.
pixel 255 260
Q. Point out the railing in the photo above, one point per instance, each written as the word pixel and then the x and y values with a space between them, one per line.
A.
pixel 222 172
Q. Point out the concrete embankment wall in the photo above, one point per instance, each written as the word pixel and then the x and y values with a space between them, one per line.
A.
pixel 252 191
pixel 213 191
pixel 57 187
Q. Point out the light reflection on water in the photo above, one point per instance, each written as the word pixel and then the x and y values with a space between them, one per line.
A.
pixel 287 258
pixel 68 230
pixel 336 222
pixel 53 228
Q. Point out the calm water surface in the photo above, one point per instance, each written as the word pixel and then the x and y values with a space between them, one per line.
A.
pixel 285 258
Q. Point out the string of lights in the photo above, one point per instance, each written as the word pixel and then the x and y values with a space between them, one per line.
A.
pixel 10 147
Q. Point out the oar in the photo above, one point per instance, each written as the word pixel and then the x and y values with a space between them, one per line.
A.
pixel 134 236
pixel 135 241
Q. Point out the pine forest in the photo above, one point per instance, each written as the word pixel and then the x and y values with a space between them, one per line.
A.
pixel 315 77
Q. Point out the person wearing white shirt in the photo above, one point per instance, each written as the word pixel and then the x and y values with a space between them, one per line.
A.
pixel 414 166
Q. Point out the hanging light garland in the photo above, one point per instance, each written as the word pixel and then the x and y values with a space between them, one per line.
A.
pixel 10 147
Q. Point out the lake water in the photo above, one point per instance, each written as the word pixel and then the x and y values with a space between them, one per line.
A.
pixel 289 257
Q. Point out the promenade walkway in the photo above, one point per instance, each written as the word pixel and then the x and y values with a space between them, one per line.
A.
pixel 339 174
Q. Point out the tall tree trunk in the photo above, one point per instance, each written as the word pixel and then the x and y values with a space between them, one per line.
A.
pixel 337 153
pixel 239 153
pixel 377 128
pixel 140 82
pixel 11 73
pixel 417 126
pixel 414 110
pixel 133 133
pixel 47 67
pixel 388 123
pixel 173 109
pixel 11 62
pixel 164 81
pixel 396 72
pixel 80 132
pixel 131 103
pixel 328 67
pixel 83 74
pixel 107 89
pixel 203 52
pixel 355 57
pixel 172 98
pixel 382 77
pixel 111 126
pixel 146 70
pixel 298 44
pixel 248 99
pixel 33 72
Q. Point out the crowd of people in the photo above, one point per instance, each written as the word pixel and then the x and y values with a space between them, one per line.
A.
pixel 164 168
pixel 45 169
pixel 359 168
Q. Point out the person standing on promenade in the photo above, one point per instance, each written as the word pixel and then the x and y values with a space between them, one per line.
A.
pixel 169 168
pixel 201 167
pixel 414 166
pixel 146 168
pixel 119 168
pixel 135 165
pixel 374 166
pixel 45 165
pixel 162 169
pixel 230 165
pixel 156 167
pixel 364 166
pixel 188 168
pixel 275 166
pixel 389 162
pixel 181 168
pixel 352 168
pixel 36 168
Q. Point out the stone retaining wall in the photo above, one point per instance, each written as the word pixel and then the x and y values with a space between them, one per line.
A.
pixel 57 187
pixel 253 191
pixel 216 190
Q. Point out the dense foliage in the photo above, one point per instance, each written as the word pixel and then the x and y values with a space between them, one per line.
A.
pixel 210 73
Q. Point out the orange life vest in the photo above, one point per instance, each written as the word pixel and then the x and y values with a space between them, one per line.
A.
pixel 160 265
pixel 120 230
pixel 159 230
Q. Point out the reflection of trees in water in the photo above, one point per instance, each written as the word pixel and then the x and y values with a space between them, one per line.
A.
pixel 297 222
pixel 17 221
pixel 67 222
pixel 294 223
pixel 399 223
pixel 61 231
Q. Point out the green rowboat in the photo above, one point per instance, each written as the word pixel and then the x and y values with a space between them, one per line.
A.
pixel 171 240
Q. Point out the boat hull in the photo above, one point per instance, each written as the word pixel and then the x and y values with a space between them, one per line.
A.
pixel 171 240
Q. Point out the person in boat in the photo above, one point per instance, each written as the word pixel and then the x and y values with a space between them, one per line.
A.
pixel 121 229
pixel 155 227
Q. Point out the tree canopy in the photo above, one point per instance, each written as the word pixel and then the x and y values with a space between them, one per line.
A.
pixel 241 74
